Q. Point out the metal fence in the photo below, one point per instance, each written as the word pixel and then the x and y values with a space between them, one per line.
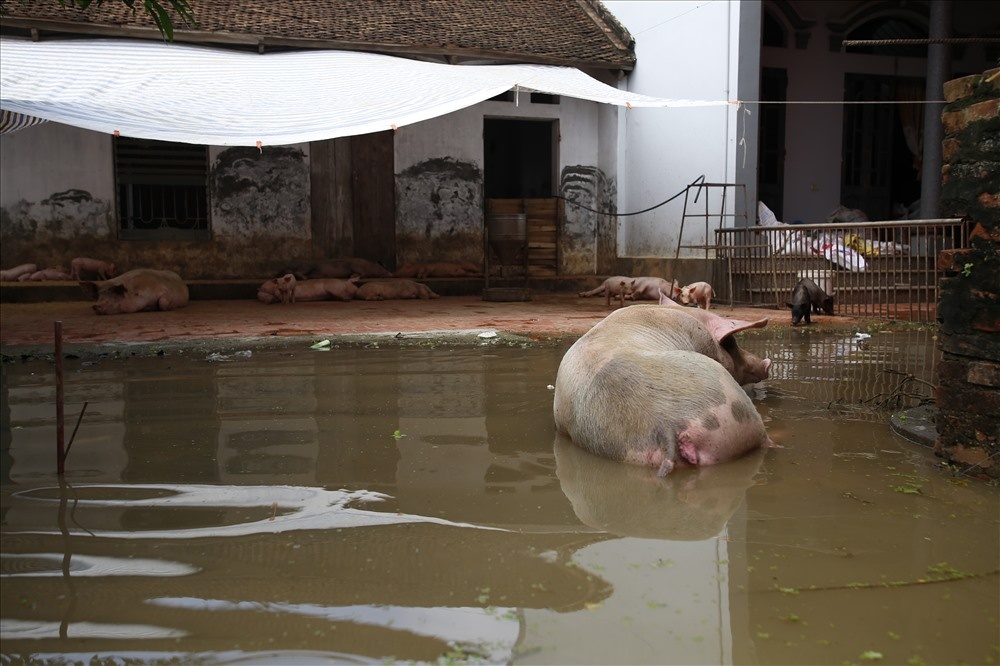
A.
pixel 883 270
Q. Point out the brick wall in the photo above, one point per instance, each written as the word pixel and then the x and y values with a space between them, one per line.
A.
pixel 968 394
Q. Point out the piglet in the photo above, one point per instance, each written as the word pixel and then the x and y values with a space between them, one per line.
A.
pixel 618 286
pixel 279 289
pixel 700 293
pixel 12 274
pixel 102 269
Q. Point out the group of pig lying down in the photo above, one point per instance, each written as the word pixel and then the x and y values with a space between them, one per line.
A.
pixel 652 289
pixel 339 279
pixel 80 267
pixel 661 386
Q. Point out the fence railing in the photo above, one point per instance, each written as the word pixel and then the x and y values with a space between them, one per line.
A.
pixel 883 270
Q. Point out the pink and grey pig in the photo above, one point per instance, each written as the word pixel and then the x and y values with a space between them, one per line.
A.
pixel 700 293
pixel 618 286
pixel 690 408
pixel 277 290
pixel 93 268
pixel 649 288
pixel 326 289
pixel 138 290
pixel 395 288
pixel 12 274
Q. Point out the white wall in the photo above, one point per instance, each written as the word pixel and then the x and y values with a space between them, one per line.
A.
pixel 685 50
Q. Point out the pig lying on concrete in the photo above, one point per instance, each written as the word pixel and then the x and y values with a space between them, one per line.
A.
pixel 51 273
pixel 137 291
pixel 618 286
pixel 346 267
pixel 278 290
pixel 92 267
pixel 649 288
pixel 326 289
pixel 396 288
pixel 700 293
pixel 654 385
pixel 12 274
pixel 437 269
pixel 809 297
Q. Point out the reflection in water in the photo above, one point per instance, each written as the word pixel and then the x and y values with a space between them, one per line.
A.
pixel 413 504
pixel 693 504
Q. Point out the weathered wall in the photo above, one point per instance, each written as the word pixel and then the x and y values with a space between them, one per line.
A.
pixel 57 202
pixel 440 211
pixel 439 182
pixel 968 397
pixel 588 239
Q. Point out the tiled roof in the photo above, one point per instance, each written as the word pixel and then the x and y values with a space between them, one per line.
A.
pixel 579 33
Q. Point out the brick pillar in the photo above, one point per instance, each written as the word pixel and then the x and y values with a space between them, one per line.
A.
pixel 968 394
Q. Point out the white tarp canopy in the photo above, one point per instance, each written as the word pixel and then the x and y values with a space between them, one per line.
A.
pixel 202 95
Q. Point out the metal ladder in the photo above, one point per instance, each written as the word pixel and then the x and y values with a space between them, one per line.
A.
pixel 726 193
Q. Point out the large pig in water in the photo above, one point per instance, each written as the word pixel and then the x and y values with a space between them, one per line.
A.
pixel 137 291
pixel 653 385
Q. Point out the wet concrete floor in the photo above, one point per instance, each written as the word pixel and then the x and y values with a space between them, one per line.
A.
pixel 406 500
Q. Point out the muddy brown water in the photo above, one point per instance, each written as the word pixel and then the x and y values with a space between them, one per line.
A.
pixel 410 503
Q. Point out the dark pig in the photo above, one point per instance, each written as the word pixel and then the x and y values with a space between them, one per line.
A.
pixel 808 297
pixel 138 290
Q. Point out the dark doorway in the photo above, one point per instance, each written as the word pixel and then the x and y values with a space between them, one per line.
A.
pixel 518 158
pixel 771 152
pixel 880 168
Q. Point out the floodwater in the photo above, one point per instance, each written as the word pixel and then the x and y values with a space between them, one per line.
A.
pixel 410 503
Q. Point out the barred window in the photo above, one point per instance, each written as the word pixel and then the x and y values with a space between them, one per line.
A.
pixel 162 190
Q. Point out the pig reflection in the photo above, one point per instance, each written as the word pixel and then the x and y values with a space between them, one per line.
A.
pixel 691 505
pixel 653 385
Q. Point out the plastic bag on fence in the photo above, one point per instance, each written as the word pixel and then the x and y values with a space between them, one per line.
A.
pixel 791 243
pixel 834 250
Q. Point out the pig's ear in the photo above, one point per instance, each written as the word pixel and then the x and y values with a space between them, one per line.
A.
pixel 722 328
pixel 665 300
pixel 89 290
pixel 118 289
